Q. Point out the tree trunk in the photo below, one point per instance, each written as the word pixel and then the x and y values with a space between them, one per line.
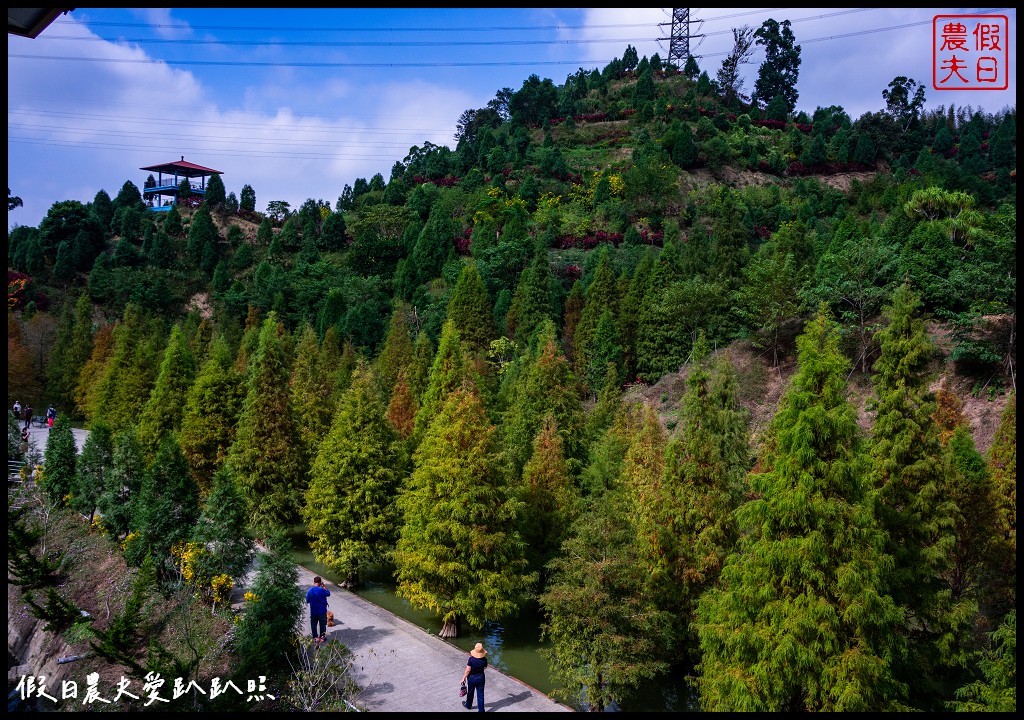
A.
pixel 450 628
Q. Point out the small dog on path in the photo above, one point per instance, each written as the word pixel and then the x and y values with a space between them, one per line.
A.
pixel 330 619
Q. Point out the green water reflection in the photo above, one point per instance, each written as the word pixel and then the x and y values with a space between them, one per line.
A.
pixel 513 646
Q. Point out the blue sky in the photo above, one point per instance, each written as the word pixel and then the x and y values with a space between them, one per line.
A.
pixel 299 103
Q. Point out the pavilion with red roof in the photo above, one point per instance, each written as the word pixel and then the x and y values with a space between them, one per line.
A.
pixel 168 183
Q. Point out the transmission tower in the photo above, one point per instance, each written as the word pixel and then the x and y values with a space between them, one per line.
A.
pixel 680 36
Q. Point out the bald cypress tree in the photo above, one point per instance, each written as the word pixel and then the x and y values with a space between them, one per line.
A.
pixel 548 495
pixel 92 467
pixel 397 352
pixel 686 511
pixel 166 507
pixel 267 456
pixel 60 461
pixel 448 372
pixel 531 302
pixel 350 512
pixel 122 484
pixel 602 294
pixel 471 310
pixel 799 619
pixel 311 387
pixel 211 411
pixel 131 369
pixel 912 511
pixel 544 383
pixel 163 411
pixel 460 553
pixel 607 636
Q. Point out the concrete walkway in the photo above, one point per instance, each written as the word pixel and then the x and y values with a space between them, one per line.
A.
pixel 403 668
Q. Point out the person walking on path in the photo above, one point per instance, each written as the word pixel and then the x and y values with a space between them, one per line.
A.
pixel 51 416
pixel 316 598
pixel 17 409
pixel 474 677
pixel 28 415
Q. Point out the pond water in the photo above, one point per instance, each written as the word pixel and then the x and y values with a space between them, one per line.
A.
pixel 513 646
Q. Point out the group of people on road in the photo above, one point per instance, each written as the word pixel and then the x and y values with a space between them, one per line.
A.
pixel 472 679
pixel 25 414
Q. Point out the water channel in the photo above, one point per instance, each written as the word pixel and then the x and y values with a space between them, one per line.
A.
pixel 514 645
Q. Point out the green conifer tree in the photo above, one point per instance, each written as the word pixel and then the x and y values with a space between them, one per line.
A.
pixel 266 633
pixel 351 515
pixel 686 520
pixel 419 369
pixel 223 530
pixel 127 378
pixel 544 384
pixel 166 508
pixel 917 519
pixel 605 349
pixel 92 468
pixel 549 497
pixel 397 352
pixel 447 373
pixel 606 636
pixel 602 294
pixel 162 413
pixel 266 429
pixel 460 553
pixel 802 600
pixel 471 310
pixel 212 407
pixel 531 302
pixel 60 462
pixel 122 484
pixel 311 388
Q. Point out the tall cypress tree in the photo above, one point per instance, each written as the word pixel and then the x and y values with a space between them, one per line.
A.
pixel 686 515
pixel 166 508
pixel 163 411
pixel 471 310
pixel 548 496
pixel 602 294
pixel 122 484
pixel 802 600
pixel 92 468
pixel 544 384
pixel 606 634
pixel 531 302
pixel 128 376
pixel 87 385
pixel 60 461
pixel 222 527
pixel 211 411
pixel 460 553
pixel 350 512
pixel 71 353
pixel 266 429
pixel 311 389
pixel 397 352
pixel 917 519
pixel 447 373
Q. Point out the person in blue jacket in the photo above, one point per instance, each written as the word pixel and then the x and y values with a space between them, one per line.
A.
pixel 316 598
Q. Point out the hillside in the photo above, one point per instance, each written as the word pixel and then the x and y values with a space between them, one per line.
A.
pixel 435 372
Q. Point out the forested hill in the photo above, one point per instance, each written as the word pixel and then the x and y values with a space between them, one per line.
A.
pixel 728 379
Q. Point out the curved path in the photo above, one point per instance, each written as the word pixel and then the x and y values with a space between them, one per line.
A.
pixel 403 668
pixel 399 666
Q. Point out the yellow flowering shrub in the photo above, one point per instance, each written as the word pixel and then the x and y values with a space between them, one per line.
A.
pixel 222 586
pixel 129 539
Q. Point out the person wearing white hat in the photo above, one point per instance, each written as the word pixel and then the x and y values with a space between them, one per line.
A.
pixel 474 677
